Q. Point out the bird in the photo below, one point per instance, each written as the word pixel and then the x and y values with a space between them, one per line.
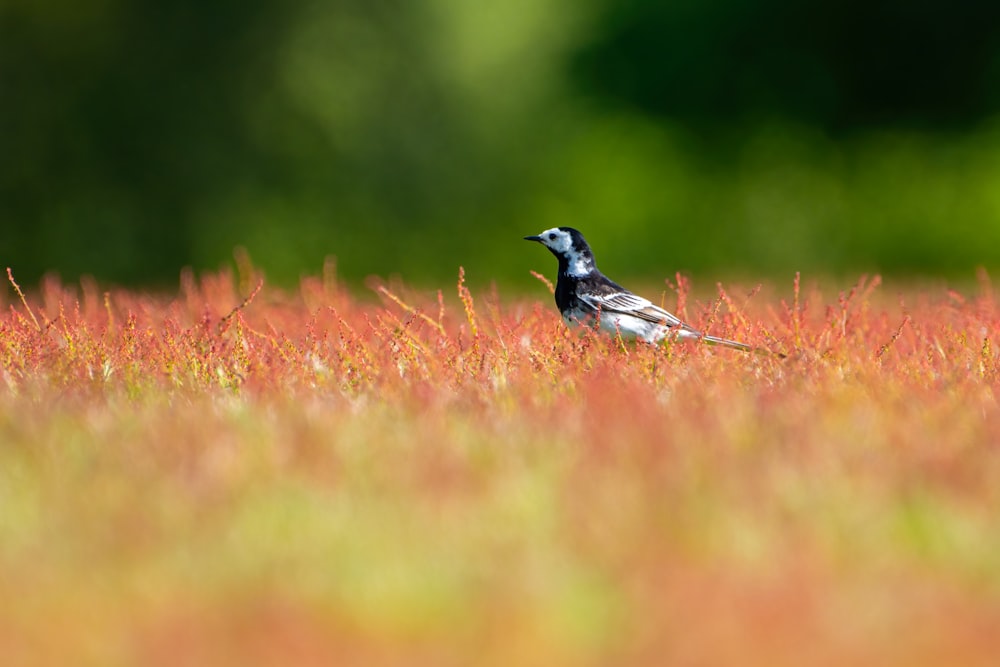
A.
pixel 584 294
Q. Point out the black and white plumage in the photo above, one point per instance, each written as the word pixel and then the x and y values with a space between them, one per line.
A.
pixel 584 293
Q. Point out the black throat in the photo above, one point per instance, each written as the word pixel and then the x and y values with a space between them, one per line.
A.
pixel 568 285
pixel 565 290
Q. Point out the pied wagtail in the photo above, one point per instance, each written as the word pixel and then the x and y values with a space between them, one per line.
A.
pixel 583 293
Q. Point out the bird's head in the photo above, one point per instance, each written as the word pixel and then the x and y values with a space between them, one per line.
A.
pixel 569 246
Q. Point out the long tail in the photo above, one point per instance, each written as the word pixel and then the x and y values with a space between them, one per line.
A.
pixel 713 340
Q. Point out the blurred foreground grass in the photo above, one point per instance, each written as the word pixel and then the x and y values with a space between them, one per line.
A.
pixel 310 480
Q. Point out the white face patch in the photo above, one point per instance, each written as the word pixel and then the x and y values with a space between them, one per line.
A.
pixel 562 243
pixel 557 239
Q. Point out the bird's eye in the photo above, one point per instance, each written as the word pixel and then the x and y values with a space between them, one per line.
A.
pixel 552 237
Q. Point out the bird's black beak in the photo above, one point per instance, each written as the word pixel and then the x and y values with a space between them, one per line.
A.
pixel 533 238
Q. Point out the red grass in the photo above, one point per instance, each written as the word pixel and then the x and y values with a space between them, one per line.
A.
pixel 237 475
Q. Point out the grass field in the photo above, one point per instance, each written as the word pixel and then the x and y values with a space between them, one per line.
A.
pixel 239 475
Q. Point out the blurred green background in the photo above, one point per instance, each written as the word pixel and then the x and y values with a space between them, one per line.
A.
pixel 408 137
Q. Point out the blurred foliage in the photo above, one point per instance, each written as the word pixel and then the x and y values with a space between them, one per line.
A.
pixel 411 137
pixel 839 65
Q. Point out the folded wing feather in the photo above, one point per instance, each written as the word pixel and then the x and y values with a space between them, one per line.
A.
pixel 626 303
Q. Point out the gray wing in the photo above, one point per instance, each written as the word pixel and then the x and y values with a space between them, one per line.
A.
pixel 626 303
pixel 612 298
